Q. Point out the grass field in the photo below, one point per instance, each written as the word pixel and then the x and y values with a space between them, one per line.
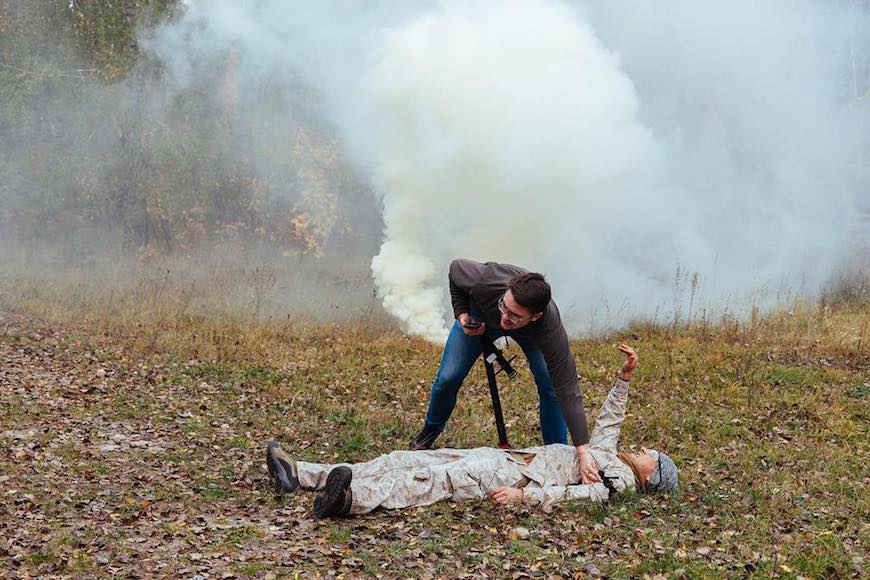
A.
pixel 133 436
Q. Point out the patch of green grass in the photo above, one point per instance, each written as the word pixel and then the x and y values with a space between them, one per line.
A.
pixel 68 453
pixel 824 557
pixel 734 431
pixel 239 441
pixel 11 339
pixel 390 430
pixel 345 416
pixel 95 468
pixel 173 529
pixel 799 376
pixel 265 375
pixel 129 507
pixel 394 549
pixel 469 540
pixel 213 493
pixel 20 410
pixel 529 522
pixel 194 425
pixel 340 535
pixel 242 534
pixel 660 564
pixel 252 569
pixel 42 555
pixel 65 539
pixel 352 443
pixel 432 545
pixel 860 391
pixel 80 562
pixel 129 410
pixel 594 511
pixel 373 568
pixel 179 456
pixel 211 371
pixel 524 549
pixel 473 559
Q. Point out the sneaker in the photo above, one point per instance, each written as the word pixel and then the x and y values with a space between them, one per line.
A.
pixel 425 439
pixel 282 469
pixel 335 499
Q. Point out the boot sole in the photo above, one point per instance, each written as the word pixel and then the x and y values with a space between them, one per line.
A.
pixel 278 471
pixel 332 498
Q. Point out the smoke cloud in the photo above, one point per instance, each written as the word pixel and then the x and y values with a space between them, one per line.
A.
pixel 658 161
pixel 510 131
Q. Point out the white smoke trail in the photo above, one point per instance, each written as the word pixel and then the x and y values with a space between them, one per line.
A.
pixel 643 156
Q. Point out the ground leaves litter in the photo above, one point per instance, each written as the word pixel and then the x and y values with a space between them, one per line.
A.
pixel 125 462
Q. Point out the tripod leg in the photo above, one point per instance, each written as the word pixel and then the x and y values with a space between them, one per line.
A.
pixel 496 404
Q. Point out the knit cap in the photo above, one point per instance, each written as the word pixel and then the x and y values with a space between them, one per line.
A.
pixel 664 477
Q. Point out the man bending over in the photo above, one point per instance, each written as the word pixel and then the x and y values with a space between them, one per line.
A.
pixel 497 300
pixel 537 475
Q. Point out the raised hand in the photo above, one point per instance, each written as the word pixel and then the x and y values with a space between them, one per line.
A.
pixel 630 363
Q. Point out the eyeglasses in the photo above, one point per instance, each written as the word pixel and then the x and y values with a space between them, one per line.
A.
pixel 511 316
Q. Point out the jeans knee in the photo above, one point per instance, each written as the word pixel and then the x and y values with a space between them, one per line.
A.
pixel 446 383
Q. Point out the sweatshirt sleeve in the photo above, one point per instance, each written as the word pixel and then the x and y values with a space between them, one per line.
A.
pixel 608 424
pixel 463 275
pixel 563 372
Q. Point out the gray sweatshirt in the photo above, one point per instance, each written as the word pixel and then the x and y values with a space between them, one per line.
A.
pixel 476 287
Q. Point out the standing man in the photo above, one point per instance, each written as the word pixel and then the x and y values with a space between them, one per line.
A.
pixel 504 300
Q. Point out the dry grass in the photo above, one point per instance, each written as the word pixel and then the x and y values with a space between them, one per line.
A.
pixel 767 418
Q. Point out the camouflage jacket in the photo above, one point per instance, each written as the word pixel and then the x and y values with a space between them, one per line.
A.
pixel 554 473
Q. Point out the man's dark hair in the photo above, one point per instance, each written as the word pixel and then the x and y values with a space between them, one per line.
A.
pixel 530 291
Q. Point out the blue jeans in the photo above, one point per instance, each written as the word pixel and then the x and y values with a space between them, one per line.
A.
pixel 461 352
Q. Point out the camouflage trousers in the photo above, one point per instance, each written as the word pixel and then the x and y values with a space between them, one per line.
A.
pixel 418 478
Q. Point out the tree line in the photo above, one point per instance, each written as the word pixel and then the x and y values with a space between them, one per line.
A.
pixel 98 147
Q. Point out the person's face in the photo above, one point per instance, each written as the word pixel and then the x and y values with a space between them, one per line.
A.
pixel 646 461
pixel 514 316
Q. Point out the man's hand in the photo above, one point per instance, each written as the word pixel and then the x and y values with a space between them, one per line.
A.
pixel 506 495
pixel 630 362
pixel 464 319
pixel 588 465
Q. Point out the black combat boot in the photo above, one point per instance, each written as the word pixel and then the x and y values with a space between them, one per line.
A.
pixel 282 469
pixel 335 499
pixel 425 439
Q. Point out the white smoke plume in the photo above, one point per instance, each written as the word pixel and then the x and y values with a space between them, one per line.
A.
pixel 654 160
pixel 505 145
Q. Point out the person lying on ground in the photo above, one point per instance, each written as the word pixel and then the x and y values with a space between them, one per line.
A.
pixel 537 475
